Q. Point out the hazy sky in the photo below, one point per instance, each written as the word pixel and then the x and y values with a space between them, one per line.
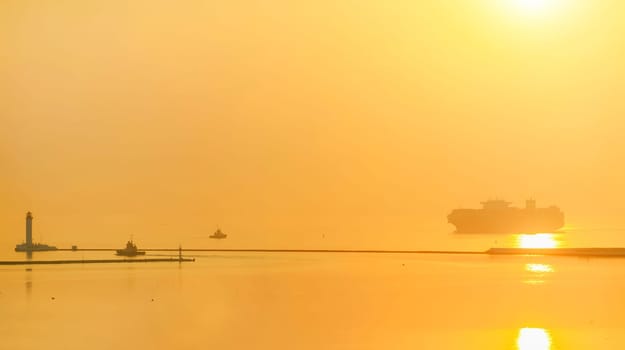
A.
pixel 280 121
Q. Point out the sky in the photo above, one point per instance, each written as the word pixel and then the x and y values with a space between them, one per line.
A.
pixel 303 124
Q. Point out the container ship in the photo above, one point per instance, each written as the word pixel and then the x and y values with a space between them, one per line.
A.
pixel 497 216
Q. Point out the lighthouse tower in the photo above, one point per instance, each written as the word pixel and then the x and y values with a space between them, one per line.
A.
pixel 29 229
pixel 29 246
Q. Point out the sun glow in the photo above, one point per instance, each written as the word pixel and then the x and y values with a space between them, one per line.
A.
pixel 533 8
pixel 533 339
pixel 531 5
pixel 539 240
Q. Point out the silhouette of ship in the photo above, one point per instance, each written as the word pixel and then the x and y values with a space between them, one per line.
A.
pixel 497 216
pixel 29 245
pixel 218 235
pixel 34 247
pixel 130 250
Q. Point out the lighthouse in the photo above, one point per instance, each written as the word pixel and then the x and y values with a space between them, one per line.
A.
pixel 29 229
pixel 28 245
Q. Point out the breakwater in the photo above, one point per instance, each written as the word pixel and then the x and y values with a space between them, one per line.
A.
pixel 93 261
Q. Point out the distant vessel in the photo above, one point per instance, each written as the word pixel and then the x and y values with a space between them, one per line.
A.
pixel 218 235
pixel 130 250
pixel 34 247
pixel 497 216
pixel 29 246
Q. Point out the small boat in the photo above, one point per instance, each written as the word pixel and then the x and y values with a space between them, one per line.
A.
pixel 130 250
pixel 218 235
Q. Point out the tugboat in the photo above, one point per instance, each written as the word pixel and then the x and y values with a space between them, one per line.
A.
pixel 218 235
pixel 130 250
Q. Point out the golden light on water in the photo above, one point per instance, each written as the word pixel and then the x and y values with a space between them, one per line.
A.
pixel 539 240
pixel 537 273
pixel 533 339
pixel 539 268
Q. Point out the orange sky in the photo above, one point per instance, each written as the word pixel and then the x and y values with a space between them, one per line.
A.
pixel 280 121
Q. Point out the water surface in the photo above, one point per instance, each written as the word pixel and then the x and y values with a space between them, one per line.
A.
pixel 314 301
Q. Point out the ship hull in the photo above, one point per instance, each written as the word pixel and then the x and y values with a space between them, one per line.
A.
pixel 509 220
pixel 126 253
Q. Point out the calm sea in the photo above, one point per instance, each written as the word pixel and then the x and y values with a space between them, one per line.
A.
pixel 318 301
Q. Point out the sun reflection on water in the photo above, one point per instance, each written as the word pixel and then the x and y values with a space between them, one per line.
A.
pixel 533 339
pixel 538 272
pixel 539 268
pixel 538 240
